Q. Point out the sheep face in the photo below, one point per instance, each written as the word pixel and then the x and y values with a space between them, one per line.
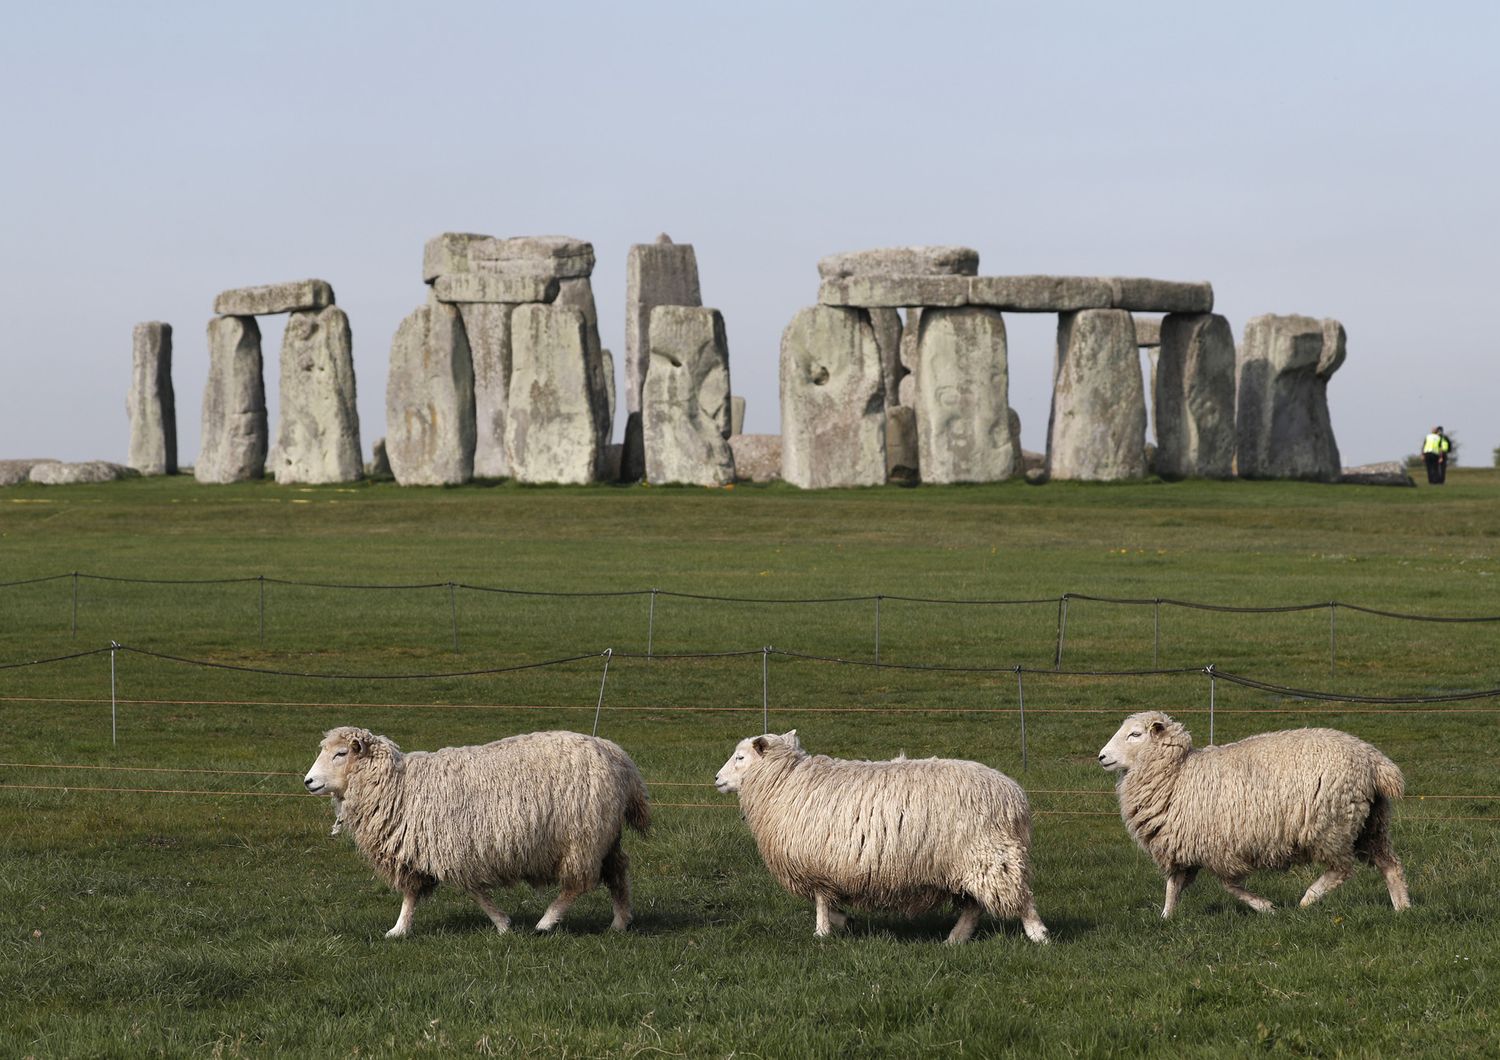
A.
pixel 329 773
pixel 1136 738
pixel 747 753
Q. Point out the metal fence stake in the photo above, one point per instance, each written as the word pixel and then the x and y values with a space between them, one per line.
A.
pixel 114 709
pixel 1021 698
pixel 75 605
pixel 877 628
pixel 608 654
pixel 453 610
pixel 765 689
pixel 1211 683
pixel 262 579
pixel 1156 634
pixel 651 624
pixel 1062 630
pixel 1333 635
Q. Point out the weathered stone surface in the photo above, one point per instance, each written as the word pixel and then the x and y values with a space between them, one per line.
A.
pixel 736 415
pixel 60 473
pixel 1013 422
pixel 274 298
pixel 660 273
pixel 757 457
pixel 14 472
pixel 449 254
pixel 551 430
pixel 873 292
pixel 906 389
pixel 1193 397
pixel 429 399
pixel 1033 461
pixel 901 261
pixel 1097 431
pixel 558 257
pixel 317 438
pixel 887 325
pixel 487 328
pixel 578 293
pixel 832 400
pixel 379 466
pixel 235 434
pixel 1160 296
pixel 902 457
pixel 1389 473
pixel 151 404
pixel 1281 423
pixel 685 415
pixel 963 397
pixel 1040 294
pixel 479 287
pixel 1147 332
pixel 607 365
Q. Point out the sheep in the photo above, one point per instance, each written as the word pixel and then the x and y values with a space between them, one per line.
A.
pixel 543 807
pixel 903 834
pixel 1295 797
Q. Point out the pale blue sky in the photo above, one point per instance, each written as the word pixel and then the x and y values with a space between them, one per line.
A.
pixel 1331 159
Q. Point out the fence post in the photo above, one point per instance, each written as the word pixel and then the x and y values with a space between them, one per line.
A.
pixel 262 579
pixel 1021 698
pixel 75 605
pixel 114 738
pixel 1156 634
pixel 765 689
pixel 877 627
pixel 651 624
pixel 453 611
pixel 1211 682
pixel 598 709
pixel 1333 635
pixel 1062 629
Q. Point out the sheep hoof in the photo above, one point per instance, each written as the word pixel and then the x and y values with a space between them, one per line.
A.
pixel 618 924
pixel 1040 937
pixel 396 933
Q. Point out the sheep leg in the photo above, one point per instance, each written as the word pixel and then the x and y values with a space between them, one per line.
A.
pixel 1032 924
pixel 968 920
pixel 559 908
pixel 1177 882
pixel 616 873
pixel 491 910
pixel 403 919
pixel 1395 880
pixel 829 919
pixel 1335 876
pixel 1254 901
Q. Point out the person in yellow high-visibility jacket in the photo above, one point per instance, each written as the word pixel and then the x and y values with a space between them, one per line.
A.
pixel 1435 456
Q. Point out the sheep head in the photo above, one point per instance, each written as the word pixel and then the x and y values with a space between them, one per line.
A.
pixel 341 752
pixel 1142 738
pixel 748 752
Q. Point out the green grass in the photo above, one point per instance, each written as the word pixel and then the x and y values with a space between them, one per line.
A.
pixel 231 924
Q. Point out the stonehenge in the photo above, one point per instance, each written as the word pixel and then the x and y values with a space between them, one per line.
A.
pixel 1282 426
pixel 1192 402
pixel 552 433
pixel 317 440
pixel 235 436
pixel 685 407
pixel 150 404
pixel 656 274
pixel 1097 431
pixel 429 399
pixel 963 397
pixel 833 421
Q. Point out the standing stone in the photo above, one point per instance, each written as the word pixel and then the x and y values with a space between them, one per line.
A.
pixel 578 293
pixel 235 434
pixel 906 392
pixel 151 405
pixel 1192 398
pixel 963 397
pixel 660 273
pixel 1098 427
pixel 317 439
pixel 429 399
pixel 902 459
pixel 887 325
pixel 487 327
pixel 685 415
pixel 379 466
pixel 832 400
pixel 736 415
pixel 1282 425
pixel 552 431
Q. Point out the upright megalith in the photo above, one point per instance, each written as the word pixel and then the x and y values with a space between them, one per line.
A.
pixel 317 438
pixel 578 293
pixel 832 400
pixel 685 406
pixel 429 399
pixel 736 415
pixel 151 404
pixel 963 397
pixel 552 431
pixel 1193 396
pixel 1098 427
pixel 487 328
pixel 656 274
pixel 1282 425
pixel 235 434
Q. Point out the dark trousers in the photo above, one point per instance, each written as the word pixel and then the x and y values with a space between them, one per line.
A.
pixel 1437 468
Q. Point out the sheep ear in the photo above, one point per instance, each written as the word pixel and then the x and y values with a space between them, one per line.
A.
pixel 791 738
pixel 759 745
pixel 1157 728
pixel 357 745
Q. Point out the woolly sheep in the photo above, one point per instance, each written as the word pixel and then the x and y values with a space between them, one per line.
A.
pixel 903 835
pixel 1296 797
pixel 543 807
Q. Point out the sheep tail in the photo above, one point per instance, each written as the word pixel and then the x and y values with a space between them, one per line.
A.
pixel 1388 779
pixel 637 808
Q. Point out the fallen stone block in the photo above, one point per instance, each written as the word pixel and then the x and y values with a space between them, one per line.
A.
pixel 757 457
pixel 1040 294
pixel 1389 473
pixel 15 472
pixel 62 473
pixel 274 298
pixel 875 292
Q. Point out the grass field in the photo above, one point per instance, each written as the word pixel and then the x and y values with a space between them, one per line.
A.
pixel 209 913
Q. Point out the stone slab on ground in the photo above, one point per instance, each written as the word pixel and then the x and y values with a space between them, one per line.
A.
pixel 551 428
pixel 16 471
pixel 69 473
pixel 235 433
pixel 685 408
pixel 512 288
pixel 894 292
pixel 151 404
pixel 757 457
pixel 274 298
pixel 1141 295
pixel 317 437
pixel 1097 431
pixel 901 261
pixel 963 397
pixel 832 400
pixel 1041 294
pixel 429 399
pixel 1389 473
